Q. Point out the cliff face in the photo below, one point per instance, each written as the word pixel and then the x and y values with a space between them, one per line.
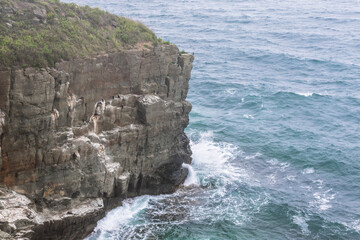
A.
pixel 78 138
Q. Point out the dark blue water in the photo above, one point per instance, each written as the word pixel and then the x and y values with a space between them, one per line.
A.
pixel 274 127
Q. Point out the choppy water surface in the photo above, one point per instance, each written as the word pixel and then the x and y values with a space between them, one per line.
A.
pixel 274 127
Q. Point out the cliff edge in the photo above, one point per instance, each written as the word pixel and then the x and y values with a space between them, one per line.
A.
pixel 78 137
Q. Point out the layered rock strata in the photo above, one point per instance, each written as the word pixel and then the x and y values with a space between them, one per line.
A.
pixel 78 138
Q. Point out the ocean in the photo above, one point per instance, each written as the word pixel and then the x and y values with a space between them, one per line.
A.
pixel 275 125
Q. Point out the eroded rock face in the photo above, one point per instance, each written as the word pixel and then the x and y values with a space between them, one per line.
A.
pixel 91 132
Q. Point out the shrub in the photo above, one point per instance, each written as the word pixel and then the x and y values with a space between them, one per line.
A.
pixel 67 31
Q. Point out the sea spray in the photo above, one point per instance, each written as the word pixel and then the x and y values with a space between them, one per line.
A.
pixel 191 179
pixel 212 159
pixel 119 216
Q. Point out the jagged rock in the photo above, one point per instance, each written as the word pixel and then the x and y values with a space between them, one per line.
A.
pixel 40 13
pixel 78 138
pixel 4 235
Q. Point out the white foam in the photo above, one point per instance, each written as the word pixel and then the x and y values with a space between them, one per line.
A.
pixel 271 178
pixel 273 161
pixel 319 183
pixel 248 116
pixel 308 171
pixel 308 188
pixel 206 152
pixel 306 94
pixel 213 158
pixel 122 215
pixel 284 166
pixel 253 156
pixel 355 225
pixel 301 222
pixel 191 179
pixel 290 177
pixel 322 200
pixel 230 91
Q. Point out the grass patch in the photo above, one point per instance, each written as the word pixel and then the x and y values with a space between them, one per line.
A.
pixel 39 33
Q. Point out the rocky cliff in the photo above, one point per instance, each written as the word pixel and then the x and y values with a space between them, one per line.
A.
pixel 77 138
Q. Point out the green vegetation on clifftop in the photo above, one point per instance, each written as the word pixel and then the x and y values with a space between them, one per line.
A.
pixel 39 33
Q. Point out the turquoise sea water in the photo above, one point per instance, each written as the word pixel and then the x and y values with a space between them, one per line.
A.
pixel 275 122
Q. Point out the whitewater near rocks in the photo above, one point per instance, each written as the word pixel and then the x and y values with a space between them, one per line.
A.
pixel 274 125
